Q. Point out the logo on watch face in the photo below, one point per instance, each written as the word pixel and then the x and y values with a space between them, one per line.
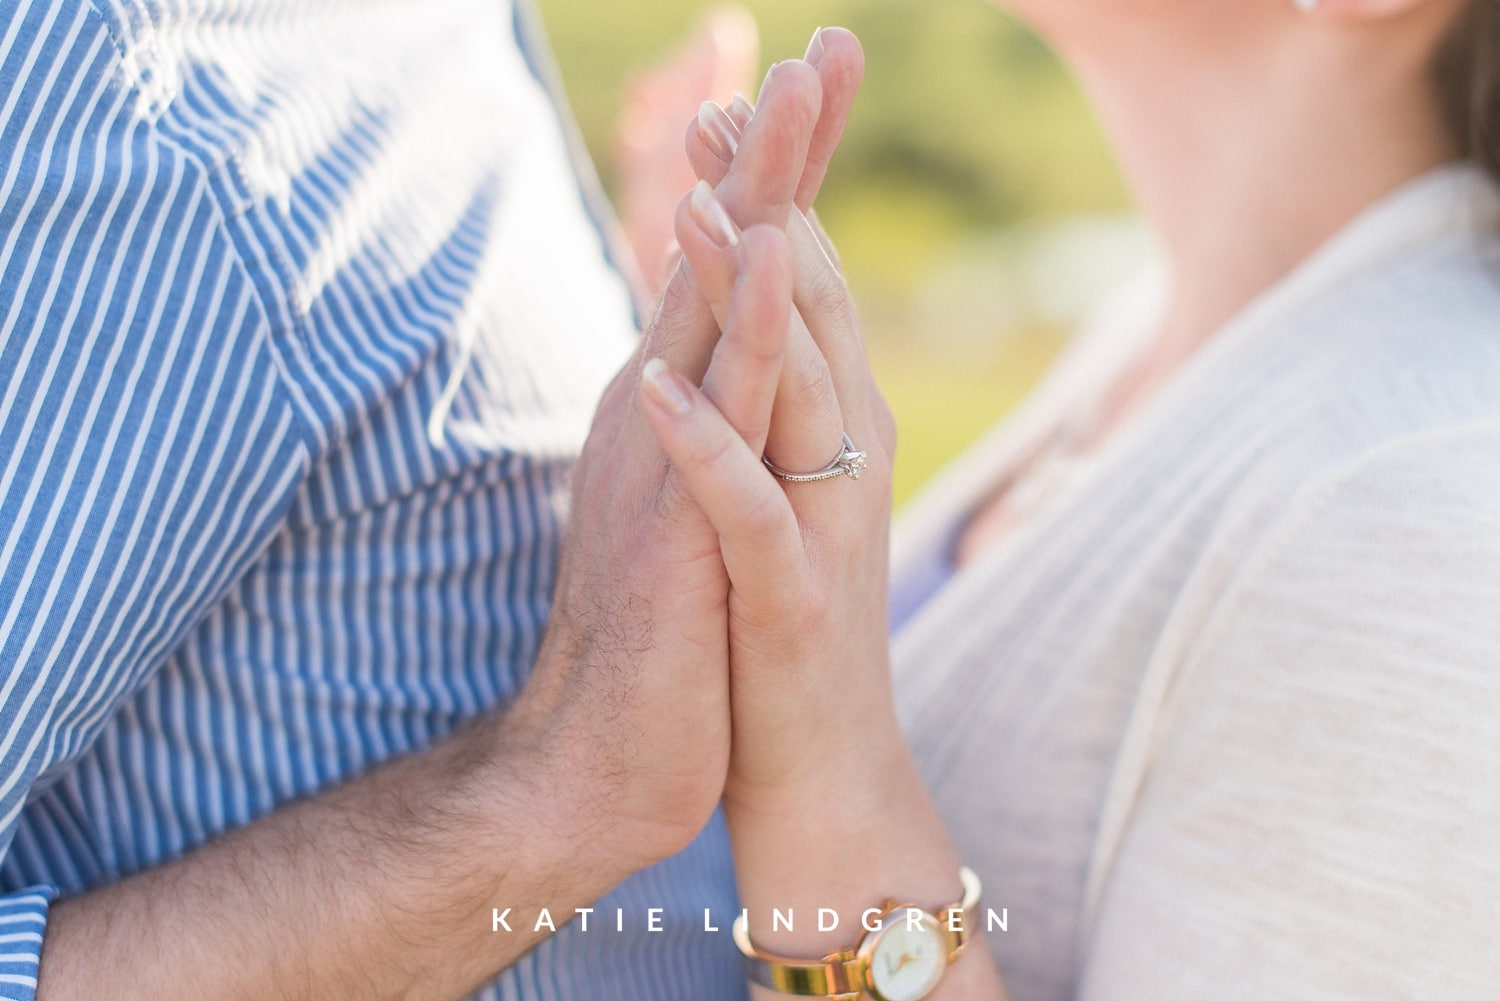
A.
pixel 908 959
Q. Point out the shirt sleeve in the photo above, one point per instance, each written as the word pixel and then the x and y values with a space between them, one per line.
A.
pixel 1318 810
pixel 148 449
pixel 23 916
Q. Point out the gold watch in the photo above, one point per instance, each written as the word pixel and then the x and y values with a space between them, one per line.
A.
pixel 902 959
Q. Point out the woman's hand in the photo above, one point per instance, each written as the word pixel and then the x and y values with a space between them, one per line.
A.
pixel 825 807
pixel 832 569
pixel 807 562
pixel 824 804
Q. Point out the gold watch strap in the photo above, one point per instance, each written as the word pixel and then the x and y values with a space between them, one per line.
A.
pixel 843 975
pixel 958 938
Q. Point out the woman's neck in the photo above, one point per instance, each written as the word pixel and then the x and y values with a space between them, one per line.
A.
pixel 1251 136
pixel 1249 156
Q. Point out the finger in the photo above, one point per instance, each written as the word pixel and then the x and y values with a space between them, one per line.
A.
pixel 711 140
pixel 709 241
pixel 740 111
pixel 741 286
pixel 824 304
pixel 822 235
pixel 736 46
pixel 808 420
pixel 758 188
pixel 840 62
pixel 761 164
pixel 713 137
pixel 758 532
pixel 767 168
pixel 746 279
pixel 651 173
pixel 720 56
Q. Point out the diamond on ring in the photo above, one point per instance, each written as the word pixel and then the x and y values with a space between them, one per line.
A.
pixel 849 462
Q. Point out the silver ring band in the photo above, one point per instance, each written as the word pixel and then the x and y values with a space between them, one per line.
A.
pixel 849 462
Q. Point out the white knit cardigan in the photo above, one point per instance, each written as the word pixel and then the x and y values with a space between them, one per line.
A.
pixel 1223 722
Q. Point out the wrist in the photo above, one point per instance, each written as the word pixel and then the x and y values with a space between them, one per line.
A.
pixel 595 806
pixel 844 841
pixel 531 778
pixel 849 765
pixel 495 786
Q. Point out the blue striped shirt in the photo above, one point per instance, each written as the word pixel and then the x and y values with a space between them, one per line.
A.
pixel 304 309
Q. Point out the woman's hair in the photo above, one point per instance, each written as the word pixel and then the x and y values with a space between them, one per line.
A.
pixel 1468 76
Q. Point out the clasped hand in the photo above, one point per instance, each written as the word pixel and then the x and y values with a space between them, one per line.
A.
pixel 716 631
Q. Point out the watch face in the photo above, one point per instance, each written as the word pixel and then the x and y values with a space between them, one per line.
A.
pixel 908 959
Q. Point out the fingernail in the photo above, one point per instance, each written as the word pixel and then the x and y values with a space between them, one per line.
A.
pixel 718 131
pixel 766 83
pixel 708 213
pixel 665 388
pixel 814 49
pixel 741 110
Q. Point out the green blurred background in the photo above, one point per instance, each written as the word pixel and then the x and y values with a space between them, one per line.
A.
pixel 976 208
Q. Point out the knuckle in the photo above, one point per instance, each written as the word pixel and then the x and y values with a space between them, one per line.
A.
pixel 707 459
pixel 828 297
pixel 760 348
pixel 757 430
pixel 716 453
pixel 674 497
pixel 813 385
pixel 763 515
